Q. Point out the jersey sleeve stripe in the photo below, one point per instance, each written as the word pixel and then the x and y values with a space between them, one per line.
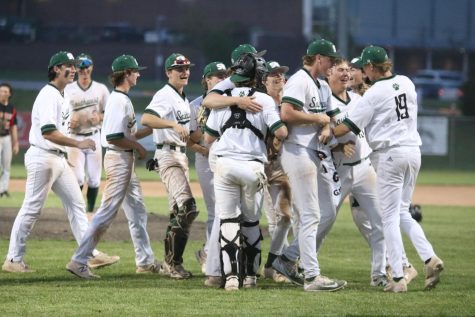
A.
pixel 115 136
pixel 353 127
pixel 334 112
pixel 216 91
pixel 48 128
pixel 152 112
pixel 211 132
pixel 275 126
pixel 292 101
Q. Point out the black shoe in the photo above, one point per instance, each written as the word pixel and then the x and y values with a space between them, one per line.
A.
pixel 6 194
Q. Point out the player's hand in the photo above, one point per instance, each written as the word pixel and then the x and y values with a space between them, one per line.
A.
pixel 322 119
pixel 325 134
pixel 141 151
pixel 15 148
pixel 73 123
pixel 349 149
pixel 87 144
pixel 182 132
pixel 249 103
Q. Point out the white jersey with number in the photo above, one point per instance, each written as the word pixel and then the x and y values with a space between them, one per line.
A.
pixel 310 96
pixel 362 149
pixel 119 119
pixel 388 113
pixel 47 115
pixel 169 104
pixel 244 144
pixel 86 106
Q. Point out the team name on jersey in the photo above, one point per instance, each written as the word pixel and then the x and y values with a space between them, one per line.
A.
pixel 317 105
pixel 85 103
pixel 182 118
pixel 340 120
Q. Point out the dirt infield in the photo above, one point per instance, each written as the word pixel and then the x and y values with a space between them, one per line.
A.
pixel 53 223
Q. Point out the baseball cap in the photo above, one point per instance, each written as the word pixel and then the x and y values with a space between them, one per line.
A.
pixel 356 62
pixel 274 67
pixel 125 62
pixel 373 54
pixel 214 68
pixel 177 60
pixel 245 48
pixel 61 58
pixel 322 47
pixel 84 60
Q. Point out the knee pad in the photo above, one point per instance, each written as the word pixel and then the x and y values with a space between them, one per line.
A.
pixel 185 215
pixel 251 240
pixel 230 242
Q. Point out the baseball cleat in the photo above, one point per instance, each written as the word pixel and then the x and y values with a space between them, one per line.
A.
pixel 176 271
pixel 433 270
pixel 396 287
pixel 322 283
pixel 213 281
pixel 379 280
pixel 270 273
pixel 410 273
pixel 149 268
pixel 80 270
pixel 289 270
pixel 16 267
pixel 101 260
pixel 232 283
pixel 250 282
pixel 201 258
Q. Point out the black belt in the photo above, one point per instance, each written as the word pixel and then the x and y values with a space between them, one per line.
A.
pixel 7 134
pixel 57 152
pixel 172 147
pixel 87 134
pixel 120 150
pixel 357 162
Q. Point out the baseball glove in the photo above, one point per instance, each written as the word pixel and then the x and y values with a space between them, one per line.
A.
pixel 416 212
pixel 151 164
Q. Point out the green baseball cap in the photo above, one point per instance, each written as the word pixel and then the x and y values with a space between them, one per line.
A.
pixel 245 48
pixel 61 58
pixel 374 55
pixel 177 60
pixel 274 67
pixel 356 63
pixel 214 68
pixel 322 47
pixel 124 62
pixel 84 60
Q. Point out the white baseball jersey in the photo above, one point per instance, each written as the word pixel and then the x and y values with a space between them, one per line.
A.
pixel 194 113
pixel 223 85
pixel 362 149
pixel 388 113
pixel 243 144
pixel 310 96
pixel 46 116
pixel 86 106
pixel 169 104
pixel 119 119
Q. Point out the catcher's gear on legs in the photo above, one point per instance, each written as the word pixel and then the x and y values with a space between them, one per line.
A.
pixel 230 241
pixel 252 237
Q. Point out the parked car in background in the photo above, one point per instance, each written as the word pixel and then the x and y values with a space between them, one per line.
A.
pixel 438 84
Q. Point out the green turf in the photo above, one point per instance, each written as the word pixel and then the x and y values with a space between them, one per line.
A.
pixel 54 292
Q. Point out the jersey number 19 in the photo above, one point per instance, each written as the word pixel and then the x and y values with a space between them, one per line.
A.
pixel 401 107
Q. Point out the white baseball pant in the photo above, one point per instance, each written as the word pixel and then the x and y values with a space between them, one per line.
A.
pixel 5 161
pixel 87 163
pixel 206 179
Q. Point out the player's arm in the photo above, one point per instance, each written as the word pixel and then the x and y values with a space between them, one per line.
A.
pixel 214 100
pixel 14 134
pixel 291 114
pixel 155 122
pixel 143 132
pixel 125 143
pixel 193 143
pixel 57 137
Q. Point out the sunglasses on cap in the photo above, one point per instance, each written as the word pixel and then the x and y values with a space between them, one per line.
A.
pixel 181 61
pixel 84 63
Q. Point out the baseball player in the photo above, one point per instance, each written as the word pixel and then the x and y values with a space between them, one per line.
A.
pixel 122 187
pixel 86 110
pixel 358 82
pixel 305 99
pixel 356 173
pixel 47 167
pixel 239 174
pixel 388 114
pixel 213 73
pixel 8 136
pixel 277 196
pixel 168 114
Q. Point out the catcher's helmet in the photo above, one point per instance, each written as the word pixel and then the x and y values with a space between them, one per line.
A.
pixel 248 67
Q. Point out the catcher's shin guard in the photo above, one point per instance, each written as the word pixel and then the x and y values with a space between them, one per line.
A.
pixel 251 240
pixel 178 231
pixel 230 242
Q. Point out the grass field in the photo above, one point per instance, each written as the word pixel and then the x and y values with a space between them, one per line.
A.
pixel 54 292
